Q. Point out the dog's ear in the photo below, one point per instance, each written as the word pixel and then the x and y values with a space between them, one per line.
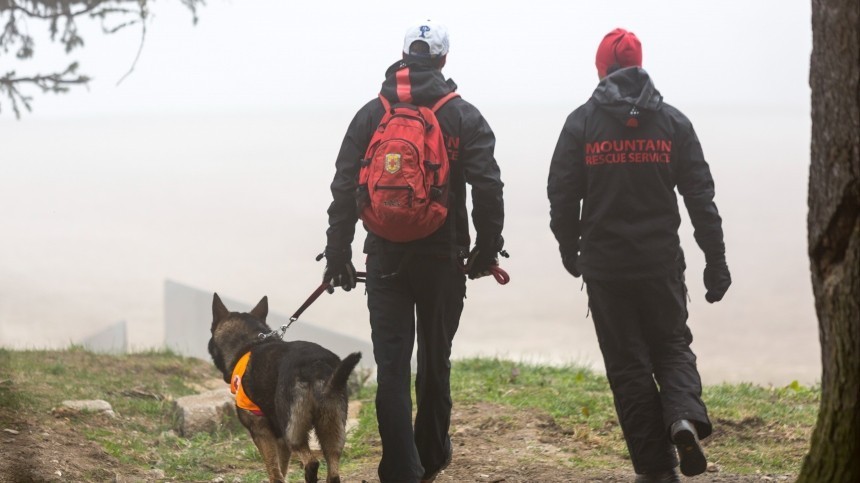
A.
pixel 219 311
pixel 262 309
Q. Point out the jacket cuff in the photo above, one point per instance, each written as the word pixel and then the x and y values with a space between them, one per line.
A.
pixel 336 256
pixel 715 258
pixel 495 243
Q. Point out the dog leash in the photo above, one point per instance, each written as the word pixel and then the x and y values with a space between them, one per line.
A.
pixel 496 271
pixel 324 287
pixel 500 275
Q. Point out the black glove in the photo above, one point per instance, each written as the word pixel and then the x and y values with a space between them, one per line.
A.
pixel 569 257
pixel 717 280
pixel 339 270
pixel 479 263
pixel 483 257
pixel 569 263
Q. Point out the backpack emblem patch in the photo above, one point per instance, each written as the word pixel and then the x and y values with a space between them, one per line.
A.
pixel 392 163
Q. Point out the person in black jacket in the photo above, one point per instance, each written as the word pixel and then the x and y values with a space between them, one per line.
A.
pixel 424 277
pixel 615 215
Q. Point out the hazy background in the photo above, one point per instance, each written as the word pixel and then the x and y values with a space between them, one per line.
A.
pixel 210 165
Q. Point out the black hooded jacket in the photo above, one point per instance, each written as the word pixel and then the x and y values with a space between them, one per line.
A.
pixel 470 143
pixel 619 158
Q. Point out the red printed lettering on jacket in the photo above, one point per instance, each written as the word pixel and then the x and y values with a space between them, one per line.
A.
pixel 624 151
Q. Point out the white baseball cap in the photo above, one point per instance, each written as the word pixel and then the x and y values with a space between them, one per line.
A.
pixel 433 34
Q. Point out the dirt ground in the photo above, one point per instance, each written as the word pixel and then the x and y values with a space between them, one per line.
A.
pixel 491 444
pixel 49 449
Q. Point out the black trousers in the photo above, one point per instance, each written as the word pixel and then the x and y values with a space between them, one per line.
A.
pixel 432 288
pixel 642 331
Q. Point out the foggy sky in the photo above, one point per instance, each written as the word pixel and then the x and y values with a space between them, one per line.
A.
pixel 273 55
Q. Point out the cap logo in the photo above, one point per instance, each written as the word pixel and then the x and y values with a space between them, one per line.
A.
pixel 424 29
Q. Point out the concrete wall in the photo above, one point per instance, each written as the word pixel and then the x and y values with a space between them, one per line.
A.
pixel 110 340
pixel 188 319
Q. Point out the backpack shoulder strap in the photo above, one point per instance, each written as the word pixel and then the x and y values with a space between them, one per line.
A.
pixel 385 104
pixel 444 99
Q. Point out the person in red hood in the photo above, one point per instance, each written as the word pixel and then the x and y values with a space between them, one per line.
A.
pixel 614 212
pixel 425 277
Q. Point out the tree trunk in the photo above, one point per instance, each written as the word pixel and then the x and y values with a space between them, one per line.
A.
pixel 834 237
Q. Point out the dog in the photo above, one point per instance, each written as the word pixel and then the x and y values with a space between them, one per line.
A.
pixel 283 390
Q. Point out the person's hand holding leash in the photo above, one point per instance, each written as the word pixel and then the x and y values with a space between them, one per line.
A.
pixel 484 257
pixel 480 262
pixel 339 270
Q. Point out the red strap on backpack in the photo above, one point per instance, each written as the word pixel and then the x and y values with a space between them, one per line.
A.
pixel 436 106
pixel 444 99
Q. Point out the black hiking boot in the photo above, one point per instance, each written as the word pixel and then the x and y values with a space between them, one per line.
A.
pixel 431 477
pixel 668 476
pixel 685 438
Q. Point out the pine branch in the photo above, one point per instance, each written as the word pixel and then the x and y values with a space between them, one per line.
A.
pixel 57 83
pixel 61 17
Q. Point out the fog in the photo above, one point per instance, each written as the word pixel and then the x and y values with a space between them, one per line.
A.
pixel 210 165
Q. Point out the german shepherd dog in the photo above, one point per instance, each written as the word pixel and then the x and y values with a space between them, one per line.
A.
pixel 292 387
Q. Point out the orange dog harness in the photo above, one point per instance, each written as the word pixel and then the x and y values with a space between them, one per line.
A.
pixel 242 399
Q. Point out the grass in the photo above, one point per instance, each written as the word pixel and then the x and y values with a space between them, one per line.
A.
pixel 758 429
pixel 141 437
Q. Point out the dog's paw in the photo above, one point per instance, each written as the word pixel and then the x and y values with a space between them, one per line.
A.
pixel 311 471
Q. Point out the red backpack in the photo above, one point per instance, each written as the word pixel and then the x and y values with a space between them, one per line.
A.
pixel 403 181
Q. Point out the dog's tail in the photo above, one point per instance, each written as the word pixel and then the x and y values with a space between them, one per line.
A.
pixel 338 379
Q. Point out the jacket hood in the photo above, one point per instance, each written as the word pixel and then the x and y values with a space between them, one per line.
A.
pixel 415 82
pixel 628 95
